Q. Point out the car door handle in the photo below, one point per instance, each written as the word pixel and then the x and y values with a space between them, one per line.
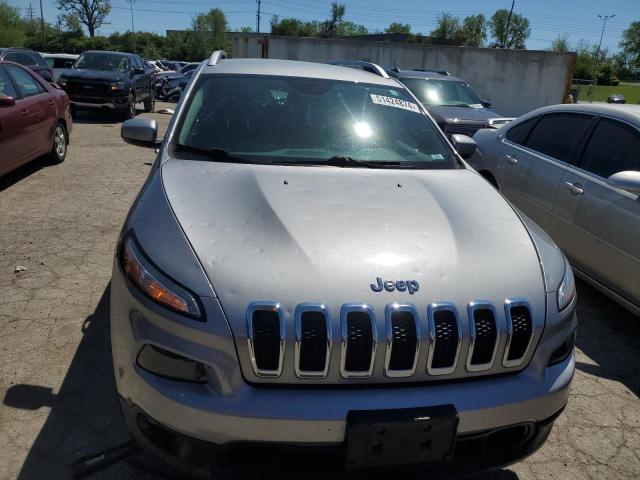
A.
pixel 511 160
pixel 574 188
pixel 25 112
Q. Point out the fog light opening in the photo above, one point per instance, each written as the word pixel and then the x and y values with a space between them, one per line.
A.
pixel 564 350
pixel 170 365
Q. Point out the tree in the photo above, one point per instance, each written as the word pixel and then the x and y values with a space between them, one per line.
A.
pixel 209 34
pixel 630 43
pixel 293 27
pixel 396 27
pixel 561 43
pixel 330 27
pixel 12 27
pixel 91 13
pixel 519 29
pixel 246 29
pixel 446 31
pixel 474 31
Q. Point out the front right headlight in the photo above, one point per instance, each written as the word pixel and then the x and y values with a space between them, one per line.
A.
pixel 154 284
pixel 567 288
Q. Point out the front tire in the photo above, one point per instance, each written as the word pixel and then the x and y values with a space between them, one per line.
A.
pixel 60 142
pixel 130 111
pixel 150 103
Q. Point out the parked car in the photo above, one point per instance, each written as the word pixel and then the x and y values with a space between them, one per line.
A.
pixel 575 170
pixel 616 98
pixel 34 118
pixel 311 267
pixel 188 67
pixel 59 62
pixel 28 58
pixel 451 101
pixel 114 81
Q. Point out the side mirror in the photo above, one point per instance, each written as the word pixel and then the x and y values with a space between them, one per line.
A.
pixel 486 103
pixel 464 145
pixel 629 181
pixel 138 71
pixel 7 101
pixel 68 64
pixel 140 131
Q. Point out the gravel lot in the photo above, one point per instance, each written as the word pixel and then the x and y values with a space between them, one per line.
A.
pixel 56 385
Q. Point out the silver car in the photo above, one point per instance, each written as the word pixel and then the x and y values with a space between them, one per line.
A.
pixel 575 170
pixel 312 277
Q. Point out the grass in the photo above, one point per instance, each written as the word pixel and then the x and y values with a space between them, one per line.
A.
pixel 600 93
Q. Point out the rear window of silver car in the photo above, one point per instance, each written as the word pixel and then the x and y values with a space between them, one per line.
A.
pixel 291 119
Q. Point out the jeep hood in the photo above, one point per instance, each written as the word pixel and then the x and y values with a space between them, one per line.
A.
pixel 107 76
pixel 324 234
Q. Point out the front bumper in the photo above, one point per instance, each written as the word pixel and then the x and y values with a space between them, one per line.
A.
pixel 228 409
pixel 109 103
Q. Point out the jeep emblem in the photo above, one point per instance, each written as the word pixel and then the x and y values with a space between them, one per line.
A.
pixel 401 285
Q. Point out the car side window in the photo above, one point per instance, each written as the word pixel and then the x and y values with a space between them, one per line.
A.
pixel 555 134
pixel 25 59
pixel 613 147
pixel 519 133
pixel 6 87
pixel 27 85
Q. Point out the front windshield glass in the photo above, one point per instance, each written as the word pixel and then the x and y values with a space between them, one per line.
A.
pixel 300 120
pixel 450 93
pixel 109 62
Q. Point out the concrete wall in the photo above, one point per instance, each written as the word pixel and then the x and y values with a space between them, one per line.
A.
pixel 516 81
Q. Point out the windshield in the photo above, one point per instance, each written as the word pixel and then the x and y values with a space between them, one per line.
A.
pixel 298 120
pixel 451 93
pixel 109 62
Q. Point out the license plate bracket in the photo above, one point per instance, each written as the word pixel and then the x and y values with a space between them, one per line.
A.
pixel 377 438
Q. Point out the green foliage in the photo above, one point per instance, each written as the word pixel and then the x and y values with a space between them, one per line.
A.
pixel 471 32
pixel 561 43
pixel 518 30
pixel 396 27
pixel 474 31
pixel 447 30
pixel 336 26
pixel 246 29
pixel 329 28
pixel 293 27
pixel 12 27
pixel 630 44
pixel 209 34
pixel 615 82
pixel 91 13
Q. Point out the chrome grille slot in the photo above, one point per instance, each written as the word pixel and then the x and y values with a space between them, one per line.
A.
pixel 483 336
pixel 403 340
pixel 444 339
pixel 520 329
pixel 265 334
pixel 313 341
pixel 359 340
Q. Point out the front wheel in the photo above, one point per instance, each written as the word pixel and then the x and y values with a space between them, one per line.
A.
pixel 60 141
pixel 130 111
pixel 150 103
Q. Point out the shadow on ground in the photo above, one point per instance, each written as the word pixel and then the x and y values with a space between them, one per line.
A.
pixel 23 172
pixel 610 336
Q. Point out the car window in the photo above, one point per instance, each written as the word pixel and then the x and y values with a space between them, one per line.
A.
pixel 27 85
pixel 310 120
pixel 39 60
pixel 451 93
pixel 518 134
pixel 25 59
pixel 555 134
pixel 6 87
pixel 613 147
pixel 110 62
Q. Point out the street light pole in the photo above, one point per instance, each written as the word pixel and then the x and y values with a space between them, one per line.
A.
pixel 604 24
pixel 133 31
pixel 506 33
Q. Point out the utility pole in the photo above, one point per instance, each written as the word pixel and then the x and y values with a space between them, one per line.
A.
pixel 506 33
pixel 30 13
pixel 604 24
pixel 259 2
pixel 133 31
pixel 41 26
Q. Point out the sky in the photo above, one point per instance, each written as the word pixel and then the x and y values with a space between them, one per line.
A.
pixel 548 18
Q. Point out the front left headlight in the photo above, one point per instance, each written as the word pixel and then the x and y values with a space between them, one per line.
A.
pixel 118 86
pixel 567 288
pixel 154 284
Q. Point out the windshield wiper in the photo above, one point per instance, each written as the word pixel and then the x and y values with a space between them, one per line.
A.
pixel 214 154
pixel 349 162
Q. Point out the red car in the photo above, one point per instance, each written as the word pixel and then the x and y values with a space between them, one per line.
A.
pixel 34 118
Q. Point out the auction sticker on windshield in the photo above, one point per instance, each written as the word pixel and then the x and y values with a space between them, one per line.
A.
pixel 394 102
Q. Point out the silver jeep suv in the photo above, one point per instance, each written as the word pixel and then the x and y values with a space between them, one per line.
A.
pixel 312 271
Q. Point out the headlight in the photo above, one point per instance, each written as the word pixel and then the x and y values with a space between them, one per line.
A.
pixel 154 284
pixel 117 86
pixel 567 289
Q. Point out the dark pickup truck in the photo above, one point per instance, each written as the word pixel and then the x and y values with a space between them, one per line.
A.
pixel 115 81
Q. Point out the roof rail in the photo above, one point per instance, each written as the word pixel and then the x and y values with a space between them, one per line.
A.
pixel 366 66
pixel 216 57
pixel 441 72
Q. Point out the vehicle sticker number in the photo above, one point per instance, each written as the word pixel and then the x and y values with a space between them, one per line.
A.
pixel 394 102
